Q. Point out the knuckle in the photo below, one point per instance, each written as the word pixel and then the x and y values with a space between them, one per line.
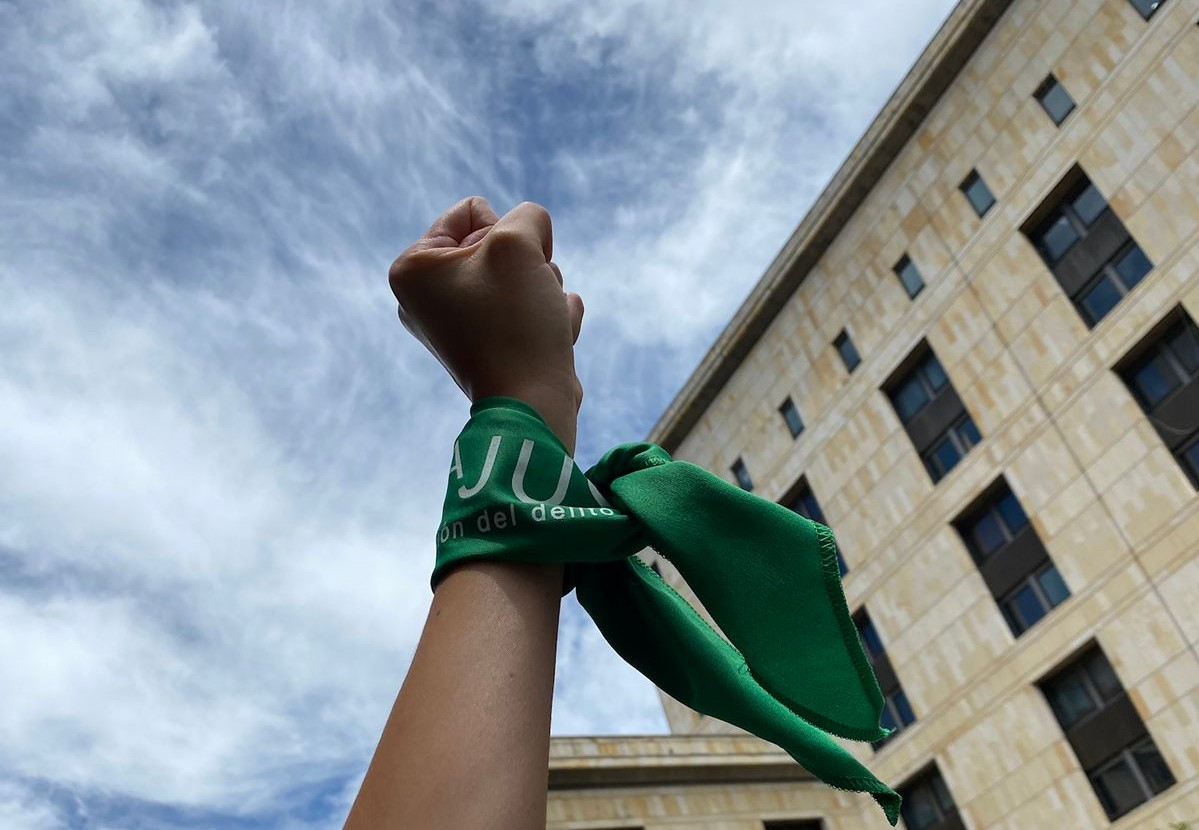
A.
pixel 399 273
pixel 504 241
pixel 409 267
pixel 538 211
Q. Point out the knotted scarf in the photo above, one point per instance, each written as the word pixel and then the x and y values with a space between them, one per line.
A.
pixel 792 669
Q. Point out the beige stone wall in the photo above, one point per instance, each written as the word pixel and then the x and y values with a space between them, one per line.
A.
pixel 705 807
pixel 612 786
pixel 1113 508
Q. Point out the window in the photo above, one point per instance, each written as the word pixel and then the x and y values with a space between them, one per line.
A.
pixel 1163 376
pixel 959 439
pixel 1035 598
pixel 791 416
pixel 847 350
pixel 897 712
pixel 919 387
pixel 977 192
pixel 1147 7
pixel 1053 97
pixel 1087 247
pixel 1108 736
pixel 800 824
pixel 1115 279
pixel 1131 778
pixel 1011 558
pixel 909 277
pixel 927 804
pixel 1068 222
pixel 801 500
pixel 741 473
pixel 993 525
pixel 932 413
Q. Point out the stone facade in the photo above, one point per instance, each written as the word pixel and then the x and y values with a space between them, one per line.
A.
pixel 1111 505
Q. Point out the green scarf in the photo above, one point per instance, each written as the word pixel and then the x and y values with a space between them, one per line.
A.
pixel 792 669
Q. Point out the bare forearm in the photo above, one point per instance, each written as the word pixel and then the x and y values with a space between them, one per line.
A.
pixel 467 741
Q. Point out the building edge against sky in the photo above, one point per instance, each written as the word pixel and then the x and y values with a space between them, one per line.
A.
pixel 976 359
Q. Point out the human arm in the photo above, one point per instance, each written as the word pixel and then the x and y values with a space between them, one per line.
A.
pixel 467 741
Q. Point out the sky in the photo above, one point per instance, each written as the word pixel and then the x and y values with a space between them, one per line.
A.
pixel 221 457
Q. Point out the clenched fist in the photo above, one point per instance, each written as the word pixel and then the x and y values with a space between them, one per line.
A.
pixel 483 295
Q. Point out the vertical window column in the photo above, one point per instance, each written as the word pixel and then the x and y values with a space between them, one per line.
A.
pixel 1163 375
pixel 1107 735
pixel 1086 246
pixel 927 803
pixel 1011 558
pixel 897 712
pixel 932 413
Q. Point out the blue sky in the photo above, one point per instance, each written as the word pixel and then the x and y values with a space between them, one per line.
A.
pixel 222 456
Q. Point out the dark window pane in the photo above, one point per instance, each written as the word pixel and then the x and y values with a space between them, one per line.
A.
pixel 968 433
pixel 1054 586
pixel 742 474
pixel 1103 676
pixel 934 373
pixel 1026 607
pixel 1146 7
pixel 1117 788
pixel 902 708
pixel 1100 299
pixel 791 416
pixel 943 458
pixel 1153 767
pixel 1058 238
pixel 811 508
pixel 1012 513
pixel 841 566
pixel 1070 700
pixel 944 799
pixel 1056 101
pixel 909 276
pixel 849 353
pixel 1132 266
pixel 870 638
pixel 988 535
pixel 887 721
pixel 1154 381
pixel 910 399
pixel 920 809
pixel 1089 204
pixel 978 193
pixel 1185 345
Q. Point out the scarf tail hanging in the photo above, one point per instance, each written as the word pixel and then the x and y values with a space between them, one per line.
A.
pixel 794 669
pixel 693 664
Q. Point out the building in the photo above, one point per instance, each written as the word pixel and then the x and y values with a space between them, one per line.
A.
pixel 977 358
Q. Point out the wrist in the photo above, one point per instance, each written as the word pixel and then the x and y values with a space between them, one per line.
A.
pixel 559 409
pixel 560 414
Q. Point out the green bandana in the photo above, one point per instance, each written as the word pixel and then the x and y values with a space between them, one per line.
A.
pixel 792 669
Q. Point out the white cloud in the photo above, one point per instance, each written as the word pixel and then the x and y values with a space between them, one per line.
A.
pixel 21 810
